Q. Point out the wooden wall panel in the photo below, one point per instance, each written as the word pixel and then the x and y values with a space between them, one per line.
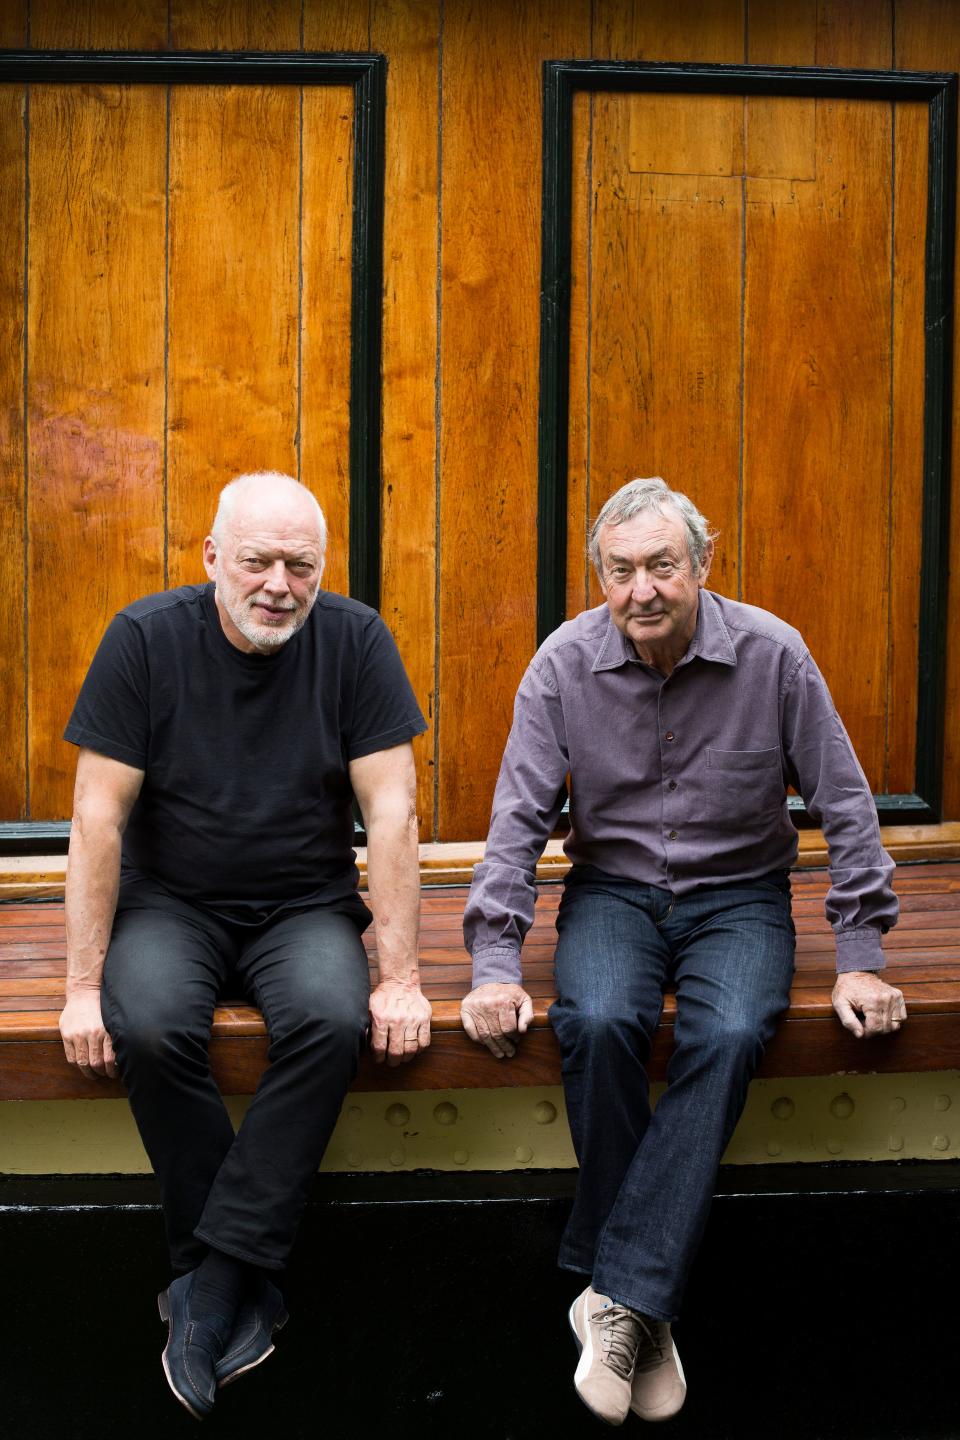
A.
pixel 491 124
pixel 407 31
pixel 12 573
pixel 95 396
pixel 336 25
pixel 579 518
pixel 98 24
pixel 325 324
pixel 665 301
pixel 13 23
pixel 928 38
pixel 235 24
pixel 233 299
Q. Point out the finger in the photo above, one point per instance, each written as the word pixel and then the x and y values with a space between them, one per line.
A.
pixel 848 1018
pixel 525 1017
pixel 95 1054
pixel 109 1058
pixel 874 1020
pixel 423 1034
pixel 378 1040
pixel 469 1024
pixel 396 1044
pixel 507 1020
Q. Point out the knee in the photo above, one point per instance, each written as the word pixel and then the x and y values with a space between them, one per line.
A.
pixel 738 1042
pixel 155 1041
pixel 597 1027
pixel 333 1023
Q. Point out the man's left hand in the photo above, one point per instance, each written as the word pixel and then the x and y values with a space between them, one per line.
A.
pixel 399 1022
pixel 861 993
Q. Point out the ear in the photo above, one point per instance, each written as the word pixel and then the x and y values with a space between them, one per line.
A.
pixel 705 564
pixel 210 557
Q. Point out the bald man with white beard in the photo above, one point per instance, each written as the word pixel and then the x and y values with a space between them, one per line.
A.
pixel 224 731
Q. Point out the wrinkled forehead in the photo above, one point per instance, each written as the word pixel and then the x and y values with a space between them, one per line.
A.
pixel 281 516
pixel 644 534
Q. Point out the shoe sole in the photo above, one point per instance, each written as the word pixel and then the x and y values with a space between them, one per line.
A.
pixel 585 1350
pixel 164 1307
pixel 244 1369
pixel 668 1415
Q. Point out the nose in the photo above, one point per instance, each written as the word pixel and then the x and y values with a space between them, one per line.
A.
pixel 643 587
pixel 275 579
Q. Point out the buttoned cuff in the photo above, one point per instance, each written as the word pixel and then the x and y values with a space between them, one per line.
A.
pixel 859 949
pixel 496 964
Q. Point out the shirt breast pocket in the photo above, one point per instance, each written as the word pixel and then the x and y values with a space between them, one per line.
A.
pixel 742 786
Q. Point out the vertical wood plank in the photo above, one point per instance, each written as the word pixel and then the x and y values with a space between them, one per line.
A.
pixel 325 324
pixel 13 23
pixel 578 439
pixel 906 479
pixel 327 220
pixel 235 24
pixel 13 771
pixel 407 32
pixel 98 24
pixel 233 297
pixel 492 98
pixel 95 391
pixel 665 302
pixel 336 25
pixel 928 38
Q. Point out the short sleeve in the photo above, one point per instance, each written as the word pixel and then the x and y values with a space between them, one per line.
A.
pixel 385 710
pixel 111 715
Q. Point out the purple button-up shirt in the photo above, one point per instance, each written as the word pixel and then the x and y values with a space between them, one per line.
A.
pixel 678 782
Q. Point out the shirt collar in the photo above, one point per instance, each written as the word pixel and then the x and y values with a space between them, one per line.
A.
pixel 711 640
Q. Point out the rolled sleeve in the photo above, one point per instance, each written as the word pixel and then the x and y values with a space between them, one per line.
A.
pixel 860 904
pixel 526 806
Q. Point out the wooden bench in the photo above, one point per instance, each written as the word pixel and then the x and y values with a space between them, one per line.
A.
pixel 923 955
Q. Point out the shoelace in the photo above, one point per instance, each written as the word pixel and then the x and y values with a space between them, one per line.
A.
pixel 649 1356
pixel 620 1336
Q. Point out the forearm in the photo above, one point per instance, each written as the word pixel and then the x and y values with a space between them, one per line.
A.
pixel 393 882
pixel 93 877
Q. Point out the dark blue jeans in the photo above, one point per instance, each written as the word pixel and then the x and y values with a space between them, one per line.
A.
pixel 646 1181
pixel 167 965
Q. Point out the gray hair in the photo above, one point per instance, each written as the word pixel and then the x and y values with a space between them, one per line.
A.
pixel 234 491
pixel 653 494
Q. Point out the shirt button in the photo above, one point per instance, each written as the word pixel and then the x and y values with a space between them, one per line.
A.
pixel 669 735
pixel 672 835
pixel 671 784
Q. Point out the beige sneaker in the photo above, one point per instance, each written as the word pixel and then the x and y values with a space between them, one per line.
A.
pixel 658 1389
pixel 609 1336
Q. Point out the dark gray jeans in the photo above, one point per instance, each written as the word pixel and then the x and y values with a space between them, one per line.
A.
pixel 646 1181
pixel 167 965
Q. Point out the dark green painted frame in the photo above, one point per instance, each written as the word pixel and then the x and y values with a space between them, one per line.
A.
pixel 561 80
pixel 367 75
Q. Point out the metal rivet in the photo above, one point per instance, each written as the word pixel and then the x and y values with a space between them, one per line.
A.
pixel 834 1146
pixel 354 1159
pixel 895 1142
pixel 445 1113
pixel 523 1153
pixel 397 1115
pixel 397 1157
pixel 842 1106
pixel 354 1113
pixel 897 1105
pixel 941 1142
pixel 773 1148
pixel 461 1157
pixel 942 1102
pixel 545 1113
pixel 782 1108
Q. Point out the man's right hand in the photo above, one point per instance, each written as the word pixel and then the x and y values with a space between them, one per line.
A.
pixel 86 1043
pixel 494 1014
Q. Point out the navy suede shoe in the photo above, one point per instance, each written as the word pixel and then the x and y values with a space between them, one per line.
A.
pixel 193 1348
pixel 250 1342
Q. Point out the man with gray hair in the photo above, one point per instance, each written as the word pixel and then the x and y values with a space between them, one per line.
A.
pixel 225 730
pixel 680 717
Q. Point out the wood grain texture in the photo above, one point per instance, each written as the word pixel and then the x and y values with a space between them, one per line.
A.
pixel 336 25
pixel 579 518
pixel 95 392
pixel 98 24
pixel 13 23
pixel 325 316
pixel 235 24
pixel 817 388
pixel 906 471
pixel 855 33
pixel 233 299
pixel 13 747
pixel 708 31
pixel 492 57
pixel 928 38
pixel 407 31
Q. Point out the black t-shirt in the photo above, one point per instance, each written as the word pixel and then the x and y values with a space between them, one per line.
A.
pixel 246 804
